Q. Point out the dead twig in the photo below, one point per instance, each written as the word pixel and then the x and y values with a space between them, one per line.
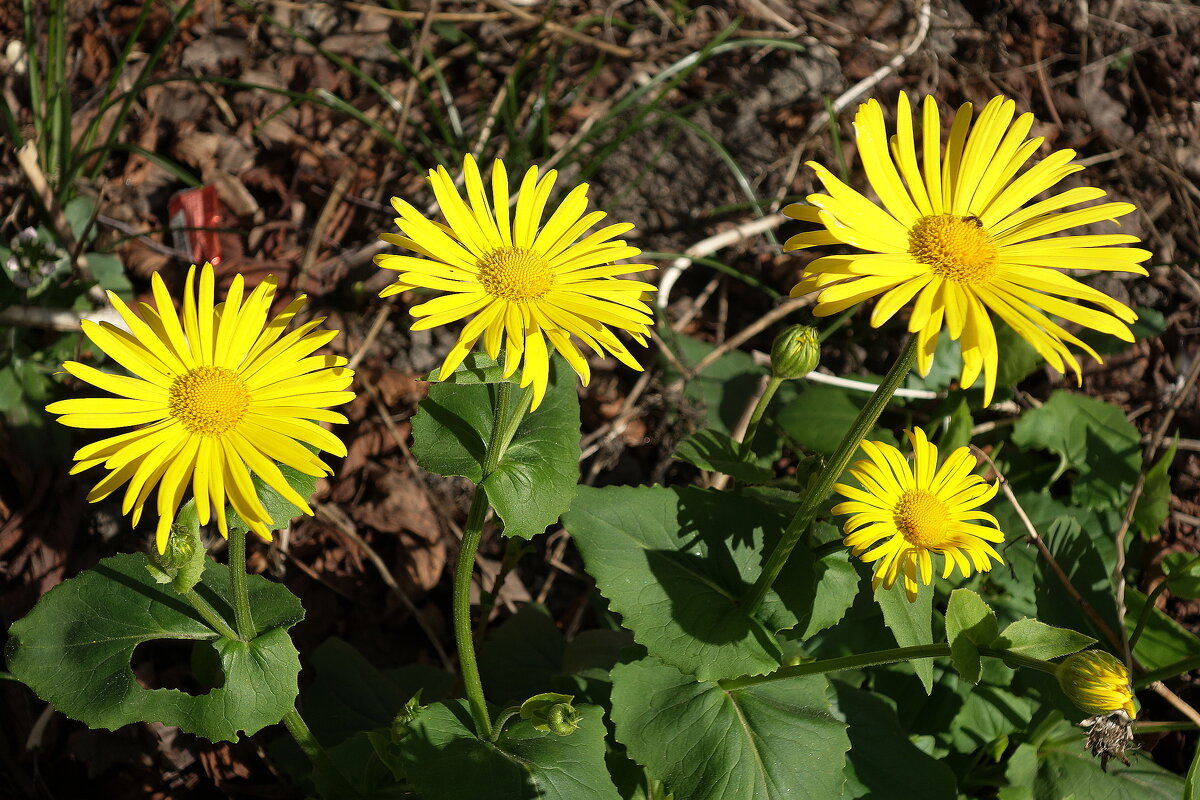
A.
pixel 563 30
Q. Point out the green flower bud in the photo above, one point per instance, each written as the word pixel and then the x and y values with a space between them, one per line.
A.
pixel 1096 682
pixel 182 563
pixel 795 352
pixel 552 712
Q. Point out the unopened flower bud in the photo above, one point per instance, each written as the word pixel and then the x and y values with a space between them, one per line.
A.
pixel 552 712
pixel 182 563
pixel 795 352
pixel 1096 682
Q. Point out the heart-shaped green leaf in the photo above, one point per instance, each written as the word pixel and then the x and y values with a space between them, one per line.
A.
pixel 445 760
pixel 74 650
pixel 536 479
pixel 763 742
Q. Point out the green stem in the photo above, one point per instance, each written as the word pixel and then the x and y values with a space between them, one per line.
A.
pixel 464 567
pixel 505 421
pixel 1170 671
pixel 210 615
pixel 879 657
pixel 756 416
pixel 1162 727
pixel 1144 617
pixel 237 575
pixel 823 485
pixel 317 755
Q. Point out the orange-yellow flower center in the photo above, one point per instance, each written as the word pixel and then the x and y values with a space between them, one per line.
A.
pixel 516 274
pixel 956 248
pixel 921 518
pixel 209 401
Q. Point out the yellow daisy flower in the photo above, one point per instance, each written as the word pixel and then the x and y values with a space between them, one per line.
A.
pixel 1096 682
pixel 955 233
pixel 901 515
pixel 524 282
pixel 220 395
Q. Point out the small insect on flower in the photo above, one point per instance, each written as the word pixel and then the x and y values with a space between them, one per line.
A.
pixel 902 515
pixel 958 236
pixel 213 397
pixel 529 288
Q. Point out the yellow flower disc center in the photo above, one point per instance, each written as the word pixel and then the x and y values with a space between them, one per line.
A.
pixel 516 274
pixel 921 518
pixel 956 248
pixel 208 400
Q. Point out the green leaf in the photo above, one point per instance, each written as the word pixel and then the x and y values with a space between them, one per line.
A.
pixel 988 715
pixel 882 762
pixel 280 508
pixel 970 624
pixel 1163 641
pixel 1029 637
pixel 477 368
pixel 910 623
pixel 1155 503
pixel 1066 770
pixel 74 650
pixel 674 562
pixel 723 389
pixel 836 585
pixel 715 451
pixel 1091 437
pixel 109 272
pixel 535 481
pixel 522 656
pixel 819 417
pixel 1020 358
pixel 1183 574
pixel 772 740
pixel 1191 789
pixel 444 759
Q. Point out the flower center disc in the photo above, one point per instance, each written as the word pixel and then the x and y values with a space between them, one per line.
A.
pixel 956 248
pixel 208 400
pixel 515 273
pixel 921 518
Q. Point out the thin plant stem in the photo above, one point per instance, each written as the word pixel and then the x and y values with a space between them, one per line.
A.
pixel 879 657
pixel 1169 671
pixel 505 421
pixel 237 575
pixel 1144 617
pixel 756 416
pixel 210 615
pixel 317 755
pixel 823 485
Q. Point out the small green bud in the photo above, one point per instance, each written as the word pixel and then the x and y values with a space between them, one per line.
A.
pixel 796 352
pixel 1096 682
pixel 182 563
pixel 552 712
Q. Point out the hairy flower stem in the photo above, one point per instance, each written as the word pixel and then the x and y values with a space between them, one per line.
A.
pixel 820 488
pixel 237 577
pixel 317 755
pixel 756 416
pixel 505 422
pixel 210 615
pixel 879 657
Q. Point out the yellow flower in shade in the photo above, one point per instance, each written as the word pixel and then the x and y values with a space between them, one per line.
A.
pixel 902 515
pixel 955 236
pixel 1096 682
pixel 525 283
pixel 211 399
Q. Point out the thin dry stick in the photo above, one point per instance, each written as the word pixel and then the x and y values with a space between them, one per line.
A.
pixel 866 84
pixel 563 30
pixel 706 247
pixel 373 332
pixel 1147 460
pixel 435 16
pixel 1031 531
pixel 336 517
pixel 1180 705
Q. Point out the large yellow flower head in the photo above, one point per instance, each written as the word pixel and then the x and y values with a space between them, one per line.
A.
pixel 902 515
pixel 1096 682
pixel 224 393
pixel 955 233
pixel 524 282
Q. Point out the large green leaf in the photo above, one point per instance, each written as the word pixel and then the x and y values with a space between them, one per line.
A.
pixel 882 762
pixel 773 740
pixel 535 481
pixel 674 562
pixel 970 624
pixel 74 650
pixel 522 656
pixel 911 624
pixel 1163 641
pixel 1091 437
pixel 444 759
